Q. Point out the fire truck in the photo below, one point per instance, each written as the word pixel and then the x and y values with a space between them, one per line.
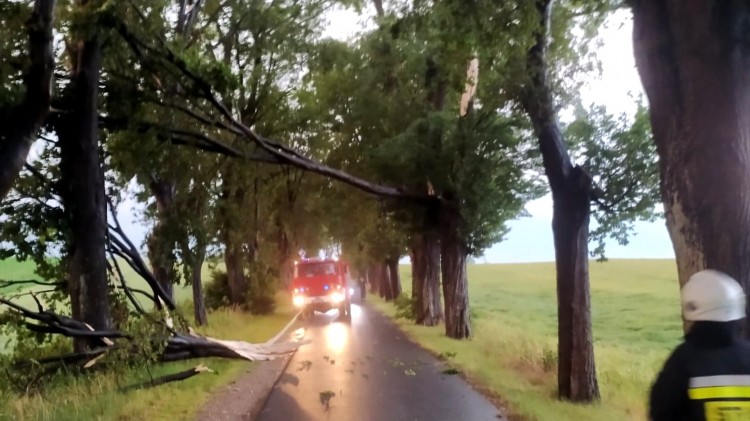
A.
pixel 322 285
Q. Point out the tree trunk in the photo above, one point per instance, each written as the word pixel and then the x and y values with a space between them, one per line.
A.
pixel 84 198
pixel 161 243
pixel 27 118
pixel 571 193
pixel 283 247
pixel 692 58
pixel 455 281
pixel 431 312
pixel 374 277
pixel 235 274
pixel 418 269
pixel 386 286
pixel 575 349
pixel 395 277
pixel 380 12
pixel 199 305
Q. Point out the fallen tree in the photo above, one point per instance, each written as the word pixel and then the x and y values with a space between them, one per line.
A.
pixel 169 343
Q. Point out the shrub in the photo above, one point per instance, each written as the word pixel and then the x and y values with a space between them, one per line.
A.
pixel 217 290
pixel 262 287
pixel 405 307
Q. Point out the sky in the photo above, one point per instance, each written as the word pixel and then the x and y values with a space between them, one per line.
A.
pixel 530 238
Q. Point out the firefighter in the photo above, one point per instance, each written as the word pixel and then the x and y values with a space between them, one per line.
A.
pixel 708 376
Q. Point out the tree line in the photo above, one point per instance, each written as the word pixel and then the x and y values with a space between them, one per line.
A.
pixel 250 137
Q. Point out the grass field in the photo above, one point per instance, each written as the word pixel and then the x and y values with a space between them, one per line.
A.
pixel 12 269
pixel 635 310
pixel 97 399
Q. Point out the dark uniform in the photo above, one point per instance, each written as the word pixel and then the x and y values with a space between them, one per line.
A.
pixel 706 378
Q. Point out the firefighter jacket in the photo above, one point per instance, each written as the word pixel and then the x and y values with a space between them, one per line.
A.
pixel 706 378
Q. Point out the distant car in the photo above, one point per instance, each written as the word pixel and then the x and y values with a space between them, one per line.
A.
pixel 321 285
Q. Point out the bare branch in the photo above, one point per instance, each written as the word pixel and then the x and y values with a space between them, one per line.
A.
pixel 283 153
pixel 8 283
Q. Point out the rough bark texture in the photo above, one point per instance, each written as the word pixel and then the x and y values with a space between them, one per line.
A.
pixel 416 254
pixel 385 284
pixel 426 280
pixel 160 244
pixel 84 199
pixel 27 118
pixel 394 276
pixel 693 59
pixel 199 305
pixel 571 193
pixel 455 281
pixel 233 259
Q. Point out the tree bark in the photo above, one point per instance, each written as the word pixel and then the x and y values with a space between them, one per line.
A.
pixel 379 8
pixel 571 193
pixel 395 277
pixel 84 198
pixel 431 312
pixel 235 274
pixel 418 269
pixel 386 286
pixel 373 276
pixel 161 244
pixel 692 57
pixel 570 225
pixel 28 117
pixel 199 305
pixel 455 281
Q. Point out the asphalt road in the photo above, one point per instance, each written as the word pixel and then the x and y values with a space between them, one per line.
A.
pixel 368 370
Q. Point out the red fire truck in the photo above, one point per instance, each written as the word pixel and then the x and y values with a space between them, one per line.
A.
pixel 321 285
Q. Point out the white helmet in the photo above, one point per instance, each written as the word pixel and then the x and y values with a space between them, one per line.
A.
pixel 714 296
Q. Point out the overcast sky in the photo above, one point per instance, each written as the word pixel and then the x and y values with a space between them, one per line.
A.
pixel 530 239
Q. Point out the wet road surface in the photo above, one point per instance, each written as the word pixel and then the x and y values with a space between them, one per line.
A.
pixel 367 369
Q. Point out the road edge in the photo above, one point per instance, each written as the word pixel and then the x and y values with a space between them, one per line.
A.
pixel 254 386
pixel 256 409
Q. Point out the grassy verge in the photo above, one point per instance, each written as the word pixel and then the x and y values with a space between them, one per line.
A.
pixel 96 397
pixel 635 310
pixel 12 269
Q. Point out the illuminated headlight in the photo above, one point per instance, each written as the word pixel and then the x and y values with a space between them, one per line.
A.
pixel 337 297
pixel 298 301
pixel 351 291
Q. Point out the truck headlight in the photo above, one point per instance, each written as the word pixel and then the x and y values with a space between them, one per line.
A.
pixel 337 297
pixel 298 301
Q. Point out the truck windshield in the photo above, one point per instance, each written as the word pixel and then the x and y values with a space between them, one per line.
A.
pixel 314 269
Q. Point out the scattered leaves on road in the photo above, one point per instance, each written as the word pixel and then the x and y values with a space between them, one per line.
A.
pixel 410 372
pixel 450 371
pixel 325 398
pixel 305 365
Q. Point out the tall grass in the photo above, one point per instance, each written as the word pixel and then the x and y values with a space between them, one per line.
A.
pixel 635 311
pixel 96 397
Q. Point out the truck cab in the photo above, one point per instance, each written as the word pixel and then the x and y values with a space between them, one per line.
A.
pixel 321 285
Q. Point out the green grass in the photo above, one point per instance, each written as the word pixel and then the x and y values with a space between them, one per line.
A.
pixel 96 397
pixel 636 322
pixel 11 269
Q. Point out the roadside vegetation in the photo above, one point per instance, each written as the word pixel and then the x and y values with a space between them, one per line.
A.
pixel 99 396
pixel 250 138
pixel 513 352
